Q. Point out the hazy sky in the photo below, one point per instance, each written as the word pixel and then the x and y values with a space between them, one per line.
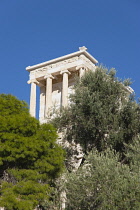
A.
pixel 34 31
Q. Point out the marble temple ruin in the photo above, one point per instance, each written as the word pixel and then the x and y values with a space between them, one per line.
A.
pixel 55 79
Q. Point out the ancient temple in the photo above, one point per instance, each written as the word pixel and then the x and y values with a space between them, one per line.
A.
pixel 56 79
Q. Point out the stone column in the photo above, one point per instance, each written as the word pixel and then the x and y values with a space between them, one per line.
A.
pixel 42 104
pixel 65 74
pixel 48 78
pixel 33 97
pixel 82 69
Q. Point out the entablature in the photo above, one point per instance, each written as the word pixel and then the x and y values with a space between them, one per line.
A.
pixel 71 62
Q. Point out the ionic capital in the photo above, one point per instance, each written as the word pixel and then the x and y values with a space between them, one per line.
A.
pixel 81 67
pixel 48 76
pixel 33 81
pixel 64 71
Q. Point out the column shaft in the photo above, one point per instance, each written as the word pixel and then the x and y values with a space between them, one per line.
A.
pixel 48 95
pixel 82 72
pixel 42 104
pixel 65 89
pixel 33 100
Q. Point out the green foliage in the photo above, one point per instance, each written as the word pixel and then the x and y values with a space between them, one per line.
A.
pixel 105 121
pixel 30 158
pixel 127 82
pixel 10 105
pixel 133 154
pixel 103 183
pixel 100 114
pixel 23 195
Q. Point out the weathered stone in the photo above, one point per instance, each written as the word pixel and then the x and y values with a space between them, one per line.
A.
pixel 56 79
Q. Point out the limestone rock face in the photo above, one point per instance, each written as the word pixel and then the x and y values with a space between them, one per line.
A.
pixel 74 152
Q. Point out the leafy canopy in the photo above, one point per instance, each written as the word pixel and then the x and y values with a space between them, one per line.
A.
pixel 102 112
pixel 30 159
pixel 105 120
pixel 103 183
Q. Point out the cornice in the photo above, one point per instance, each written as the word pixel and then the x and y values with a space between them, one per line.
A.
pixel 82 51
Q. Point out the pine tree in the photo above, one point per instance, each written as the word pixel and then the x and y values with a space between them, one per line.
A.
pixel 30 158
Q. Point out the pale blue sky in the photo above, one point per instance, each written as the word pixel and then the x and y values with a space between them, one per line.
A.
pixel 34 31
